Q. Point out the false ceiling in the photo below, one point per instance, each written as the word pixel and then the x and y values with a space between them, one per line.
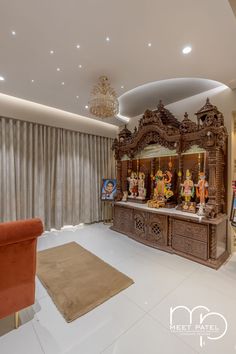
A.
pixel 135 101
pixel 52 52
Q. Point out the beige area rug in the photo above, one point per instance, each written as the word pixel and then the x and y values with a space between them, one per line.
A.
pixel 77 280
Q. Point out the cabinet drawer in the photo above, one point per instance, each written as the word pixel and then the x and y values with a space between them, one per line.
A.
pixel 190 229
pixel 190 247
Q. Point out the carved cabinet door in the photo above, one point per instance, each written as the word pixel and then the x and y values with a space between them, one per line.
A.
pixel 123 219
pixel 157 229
pixel 140 224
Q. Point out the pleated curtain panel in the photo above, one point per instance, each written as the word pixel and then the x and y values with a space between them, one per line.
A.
pixel 52 173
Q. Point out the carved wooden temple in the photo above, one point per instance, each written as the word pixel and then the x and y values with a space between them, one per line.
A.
pixel 161 142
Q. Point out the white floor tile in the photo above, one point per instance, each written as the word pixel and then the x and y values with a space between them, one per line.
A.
pixel 192 293
pixel 223 280
pixel 89 333
pixel 40 291
pixel 136 321
pixel 21 341
pixel 152 281
pixel 179 264
pixel 148 337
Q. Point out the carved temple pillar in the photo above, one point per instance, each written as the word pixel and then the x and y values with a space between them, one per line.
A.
pixel 180 177
pixel 224 178
pixel 219 180
pixel 213 242
pixel 180 156
pixel 214 190
pixel 124 176
pixel 130 166
pixel 153 163
pixel 119 179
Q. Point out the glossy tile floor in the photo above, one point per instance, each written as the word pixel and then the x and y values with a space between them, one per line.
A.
pixel 136 321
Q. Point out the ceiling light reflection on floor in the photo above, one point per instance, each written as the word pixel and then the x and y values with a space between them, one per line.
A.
pixel 187 50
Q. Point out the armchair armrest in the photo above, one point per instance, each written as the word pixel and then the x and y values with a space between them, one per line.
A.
pixel 22 230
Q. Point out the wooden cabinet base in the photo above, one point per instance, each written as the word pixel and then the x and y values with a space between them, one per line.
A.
pixel 200 240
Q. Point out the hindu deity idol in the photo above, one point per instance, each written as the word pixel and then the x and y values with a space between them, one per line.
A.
pixel 163 184
pixel 159 190
pixel 162 190
pixel 168 179
pixel 202 188
pixel 133 184
pixel 187 190
pixel 141 186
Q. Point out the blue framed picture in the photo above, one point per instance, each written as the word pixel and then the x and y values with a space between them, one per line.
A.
pixel 109 186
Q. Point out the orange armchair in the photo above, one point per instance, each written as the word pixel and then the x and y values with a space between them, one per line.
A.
pixel 18 240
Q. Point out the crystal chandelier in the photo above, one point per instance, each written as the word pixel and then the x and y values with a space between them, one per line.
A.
pixel 103 102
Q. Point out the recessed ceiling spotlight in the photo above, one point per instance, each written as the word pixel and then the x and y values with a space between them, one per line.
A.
pixel 80 66
pixel 108 39
pixel 187 50
pixel 58 69
pixel 63 83
pixel 2 78
pixel 77 46
pixel 51 51
pixel 149 44
pixel 86 107
pixel 13 33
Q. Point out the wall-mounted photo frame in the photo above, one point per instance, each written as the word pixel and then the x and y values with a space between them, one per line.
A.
pixel 233 210
pixel 109 186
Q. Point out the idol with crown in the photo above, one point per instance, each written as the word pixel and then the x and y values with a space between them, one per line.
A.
pixel 202 192
pixel 141 186
pixel 133 184
pixel 187 192
pixel 162 190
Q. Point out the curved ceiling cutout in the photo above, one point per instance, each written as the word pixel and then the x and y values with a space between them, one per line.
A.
pixel 136 101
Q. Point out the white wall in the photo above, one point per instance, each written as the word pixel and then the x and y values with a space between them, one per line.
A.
pixel 225 100
pixel 29 111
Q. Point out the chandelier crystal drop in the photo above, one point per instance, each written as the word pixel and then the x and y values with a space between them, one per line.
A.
pixel 103 102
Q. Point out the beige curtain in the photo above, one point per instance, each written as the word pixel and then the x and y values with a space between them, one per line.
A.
pixel 52 173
